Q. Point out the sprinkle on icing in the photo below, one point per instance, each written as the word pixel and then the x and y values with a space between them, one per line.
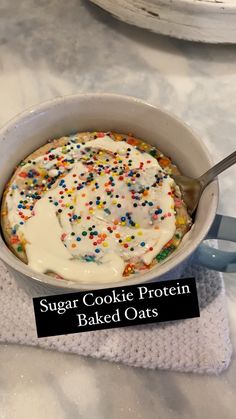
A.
pixel 90 211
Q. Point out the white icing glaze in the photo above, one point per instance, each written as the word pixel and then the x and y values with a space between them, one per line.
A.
pixel 46 252
pixel 51 235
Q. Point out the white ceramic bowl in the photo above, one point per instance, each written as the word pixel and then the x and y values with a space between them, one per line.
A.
pixel 65 115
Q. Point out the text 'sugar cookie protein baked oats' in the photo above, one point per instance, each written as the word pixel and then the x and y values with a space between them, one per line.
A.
pixel 93 207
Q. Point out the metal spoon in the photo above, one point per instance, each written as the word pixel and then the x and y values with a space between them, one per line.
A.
pixel 192 189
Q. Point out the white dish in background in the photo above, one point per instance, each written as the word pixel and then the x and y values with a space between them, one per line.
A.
pixel 212 21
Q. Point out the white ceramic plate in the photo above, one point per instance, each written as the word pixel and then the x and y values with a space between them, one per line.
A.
pixel 211 21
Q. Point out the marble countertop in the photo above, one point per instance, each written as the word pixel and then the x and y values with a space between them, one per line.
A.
pixel 50 48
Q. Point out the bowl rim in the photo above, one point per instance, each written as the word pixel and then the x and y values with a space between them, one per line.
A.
pixel 10 259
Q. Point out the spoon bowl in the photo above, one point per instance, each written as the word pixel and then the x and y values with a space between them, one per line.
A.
pixel 191 189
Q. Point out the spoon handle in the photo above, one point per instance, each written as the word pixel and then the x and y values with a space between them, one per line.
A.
pixel 207 177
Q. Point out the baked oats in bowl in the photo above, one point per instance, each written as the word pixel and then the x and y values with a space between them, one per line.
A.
pixel 91 205
pixel 89 199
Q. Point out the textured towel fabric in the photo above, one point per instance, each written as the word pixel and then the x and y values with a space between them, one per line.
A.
pixel 199 345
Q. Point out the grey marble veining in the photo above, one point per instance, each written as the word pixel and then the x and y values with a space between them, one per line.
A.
pixel 50 48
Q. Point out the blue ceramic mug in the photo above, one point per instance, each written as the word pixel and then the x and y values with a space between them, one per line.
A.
pixel 223 228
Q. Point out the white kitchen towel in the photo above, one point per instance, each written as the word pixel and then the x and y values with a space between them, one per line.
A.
pixel 199 345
